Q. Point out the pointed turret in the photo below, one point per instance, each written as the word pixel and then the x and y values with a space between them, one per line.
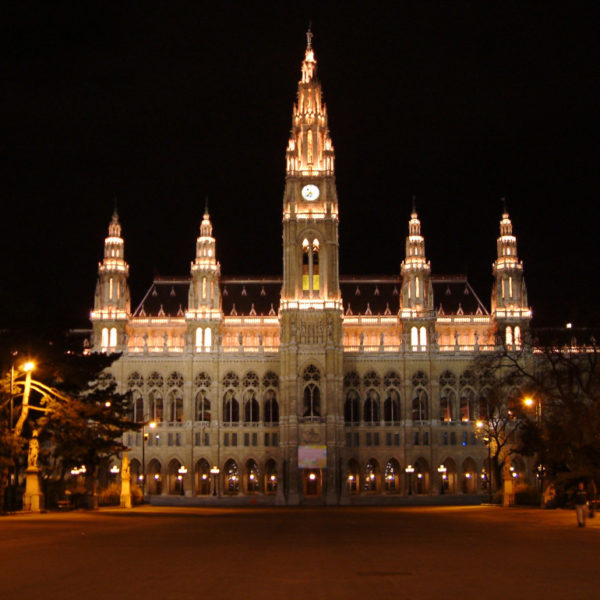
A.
pixel 509 296
pixel 204 298
pixel 111 301
pixel 310 151
pixel 416 297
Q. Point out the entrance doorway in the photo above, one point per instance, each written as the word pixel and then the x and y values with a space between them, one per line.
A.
pixel 312 483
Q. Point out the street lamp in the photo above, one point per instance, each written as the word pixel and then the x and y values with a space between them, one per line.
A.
pixel 215 473
pixel 181 472
pixel 409 471
pixel 145 435
pixel 530 402
pixel 442 470
pixel 480 425
pixel 28 368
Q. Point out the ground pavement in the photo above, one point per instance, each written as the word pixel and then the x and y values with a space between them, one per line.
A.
pixel 298 553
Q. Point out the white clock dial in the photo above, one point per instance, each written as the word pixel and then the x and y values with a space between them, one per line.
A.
pixel 310 192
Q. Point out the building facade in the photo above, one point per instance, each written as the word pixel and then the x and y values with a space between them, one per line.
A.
pixel 314 386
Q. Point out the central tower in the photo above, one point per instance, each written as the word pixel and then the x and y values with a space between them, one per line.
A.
pixel 311 305
pixel 310 204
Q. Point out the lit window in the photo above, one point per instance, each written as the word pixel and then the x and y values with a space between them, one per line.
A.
pixel 517 335
pixel 423 337
pixel 414 336
pixel 104 337
pixel 113 337
pixel 509 336
pixel 207 338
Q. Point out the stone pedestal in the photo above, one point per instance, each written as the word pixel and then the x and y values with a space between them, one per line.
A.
pixel 508 496
pixel 33 498
pixel 125 483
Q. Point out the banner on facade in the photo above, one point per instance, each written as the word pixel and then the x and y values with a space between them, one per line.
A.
pixel 312 457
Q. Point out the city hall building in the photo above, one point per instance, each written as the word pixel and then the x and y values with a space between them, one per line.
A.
pixel 313 387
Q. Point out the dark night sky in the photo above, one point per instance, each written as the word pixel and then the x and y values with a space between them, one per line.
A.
pixel 458 103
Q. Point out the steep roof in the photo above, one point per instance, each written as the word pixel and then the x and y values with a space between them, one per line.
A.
pixel 362 295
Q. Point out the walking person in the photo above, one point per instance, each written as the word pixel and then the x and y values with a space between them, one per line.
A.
pixel 581 502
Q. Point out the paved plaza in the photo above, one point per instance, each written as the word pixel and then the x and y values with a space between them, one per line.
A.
pixel 299 553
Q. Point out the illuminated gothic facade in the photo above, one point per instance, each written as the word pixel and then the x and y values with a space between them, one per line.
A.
pixel 314 386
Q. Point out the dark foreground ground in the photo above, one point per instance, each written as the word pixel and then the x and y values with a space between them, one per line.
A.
pixel 300 553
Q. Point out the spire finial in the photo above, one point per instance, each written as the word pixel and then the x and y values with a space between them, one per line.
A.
pixel 115 211
pixel 504 209
pixel 205 205
pixel 414 204
pixel 309 36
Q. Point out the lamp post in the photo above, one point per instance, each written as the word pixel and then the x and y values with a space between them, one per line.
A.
pixel 409 471
pixel 214 471
pixel 28 368
pixel 145 435
pixel 180 476
pixel 529 402
pixel 488 441
pixel 442 470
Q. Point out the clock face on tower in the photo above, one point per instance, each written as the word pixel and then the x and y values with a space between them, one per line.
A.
pixel 310 192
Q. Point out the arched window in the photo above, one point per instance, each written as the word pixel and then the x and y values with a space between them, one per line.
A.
pixel 156 406
pixel 231 408
pixel 104 340
pixel 352 408
pixel 175 406
pixel 517 336
pixel 231 477
pixel 414 337
pixel 420 410
pixel 202 412
pixel 392 476
pixel 198 338
pixel 251 411
pixel 113 337
pixel 270 477
pixel 423 337
pixel 371 409
pixel 509 336
pixel 311 406
pixel 468 408
pixel 138 406
pixel 310 267
pixel 309 147
pixel 312 401
pixel 271 408
pixel 447 405
pixel 203 478
pixel 371 476
pixel 391 407
pixel 252 477
pixel 207 338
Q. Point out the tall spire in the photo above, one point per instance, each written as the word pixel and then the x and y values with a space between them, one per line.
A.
pixel 509 295
pixel 310 151
pixel 417 295
pixel 111 302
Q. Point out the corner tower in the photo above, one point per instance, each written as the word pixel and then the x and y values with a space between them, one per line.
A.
pixel 311 351
pixel 112 306
pixel 509 295
pixel 416 297
pixel 204 315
